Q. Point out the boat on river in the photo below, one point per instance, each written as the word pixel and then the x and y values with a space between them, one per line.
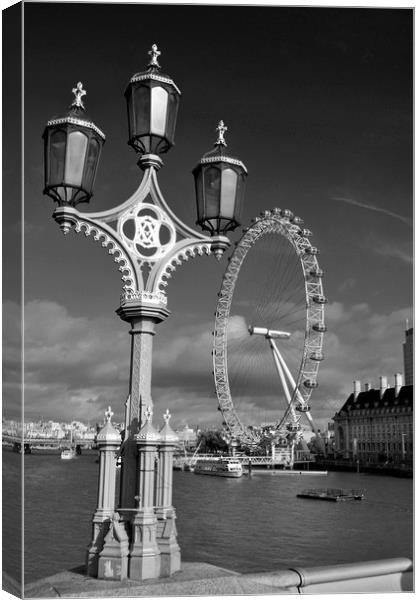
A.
pixel 68 453
pixel 331 494
pixel 221 467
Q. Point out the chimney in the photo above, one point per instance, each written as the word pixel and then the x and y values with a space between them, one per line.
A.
pixel 357 388
pixel 367 387
pixel 398 383
pixel 383 384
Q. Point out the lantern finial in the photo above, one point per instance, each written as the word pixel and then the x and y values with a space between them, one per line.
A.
pixel 148 413
pixel 221 128
pixel 154 53
pixel 78 92
pixel 108 414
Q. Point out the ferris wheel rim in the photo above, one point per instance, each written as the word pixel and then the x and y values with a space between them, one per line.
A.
pixel 280 222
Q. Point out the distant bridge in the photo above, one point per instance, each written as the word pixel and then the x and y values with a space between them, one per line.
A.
pixel 301 458
pixel 27 442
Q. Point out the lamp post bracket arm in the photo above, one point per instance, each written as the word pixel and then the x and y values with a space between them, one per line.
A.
pixel 68 217
pixel 182 251
pixel 182 229
pixel 113 214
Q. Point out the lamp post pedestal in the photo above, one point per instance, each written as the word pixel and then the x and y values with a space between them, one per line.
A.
pixel 109 441
pixel 165 512
pixel 144 560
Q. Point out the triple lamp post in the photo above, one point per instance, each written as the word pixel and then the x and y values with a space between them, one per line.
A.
pixel 148 241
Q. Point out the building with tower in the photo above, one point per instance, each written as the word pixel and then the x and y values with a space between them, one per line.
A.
pixel 408 356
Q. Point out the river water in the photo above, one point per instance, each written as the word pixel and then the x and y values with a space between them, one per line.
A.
pixel 246 524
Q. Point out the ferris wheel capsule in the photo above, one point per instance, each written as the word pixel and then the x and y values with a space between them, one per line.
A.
pixel 305 232
pixel 297 221
pixel 316 272
pixel 320 327
pixel 316 356
pixel 319 299
pixel 311 250
pixel 286 213
pixel 310 383
pixel 304 408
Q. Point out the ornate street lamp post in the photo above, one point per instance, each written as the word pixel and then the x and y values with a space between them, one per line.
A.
pixel 147 240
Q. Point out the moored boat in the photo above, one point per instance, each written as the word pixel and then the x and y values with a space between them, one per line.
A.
pixel 222 467
pixel 68 453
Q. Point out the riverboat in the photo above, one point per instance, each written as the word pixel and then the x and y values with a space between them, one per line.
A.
pixel 332 494
pixel 68 454
pixel 222 467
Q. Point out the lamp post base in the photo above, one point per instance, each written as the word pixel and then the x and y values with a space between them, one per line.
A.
pixel 170 552
pixel 145 557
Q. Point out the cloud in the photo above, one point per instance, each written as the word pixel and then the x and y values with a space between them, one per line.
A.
pixel 75 366
pixel 347 284
pixel 384 211
pixel 394 251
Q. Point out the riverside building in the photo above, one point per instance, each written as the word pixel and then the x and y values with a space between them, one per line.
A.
pixel 375 426
pixel 408 356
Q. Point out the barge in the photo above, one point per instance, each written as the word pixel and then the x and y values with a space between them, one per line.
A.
pixel 331 494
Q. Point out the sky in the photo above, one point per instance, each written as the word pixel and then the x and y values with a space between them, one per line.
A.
pixel 318 104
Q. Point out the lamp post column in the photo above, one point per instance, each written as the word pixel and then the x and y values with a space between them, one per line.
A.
pixel 143 319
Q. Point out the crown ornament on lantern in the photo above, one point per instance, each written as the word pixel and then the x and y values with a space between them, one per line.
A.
pixel 78 92
pixel 221 129
pixel 154 54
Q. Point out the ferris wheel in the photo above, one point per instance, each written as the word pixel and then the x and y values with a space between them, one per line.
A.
pixel 269 326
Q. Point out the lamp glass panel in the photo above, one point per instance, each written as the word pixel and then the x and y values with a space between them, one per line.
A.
pixel 75 158
pixel 199 195
pixel 228 193
pixel 57 157
pixel 159 109
pixel 240 197
pixel 172 113
pixel 142 110
pixel 91 163
pixel 212 192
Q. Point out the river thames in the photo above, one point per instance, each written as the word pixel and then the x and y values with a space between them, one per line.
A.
pixel 248 524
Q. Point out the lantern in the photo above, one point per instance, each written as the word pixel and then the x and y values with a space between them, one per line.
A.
pixel 152 106
pixel 72 147
pixel 219 188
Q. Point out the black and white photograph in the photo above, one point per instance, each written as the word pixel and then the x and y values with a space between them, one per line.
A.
pixel 208 303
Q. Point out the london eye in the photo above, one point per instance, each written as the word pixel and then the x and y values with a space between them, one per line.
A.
pixel 268 332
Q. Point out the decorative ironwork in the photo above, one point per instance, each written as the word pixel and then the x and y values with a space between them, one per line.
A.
pixel 149 227
pixel 74 121
pixel 144 297
pixel 154 77
pixel 222 158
